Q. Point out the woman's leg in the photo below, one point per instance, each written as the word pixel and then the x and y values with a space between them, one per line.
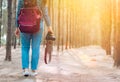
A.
pixel 25 43
pixel 36 40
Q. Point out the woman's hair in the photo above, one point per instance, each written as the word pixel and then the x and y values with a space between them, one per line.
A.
pixel 44 2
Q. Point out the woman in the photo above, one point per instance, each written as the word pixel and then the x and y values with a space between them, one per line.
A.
pixel 32 39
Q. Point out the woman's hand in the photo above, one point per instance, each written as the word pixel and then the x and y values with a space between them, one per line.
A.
pixel 17 32
pixel 50 29
pixel 50 34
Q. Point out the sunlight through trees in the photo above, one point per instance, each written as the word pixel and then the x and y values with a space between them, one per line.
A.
pixel 75 23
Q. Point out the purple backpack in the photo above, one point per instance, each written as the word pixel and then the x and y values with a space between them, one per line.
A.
pixel 29 18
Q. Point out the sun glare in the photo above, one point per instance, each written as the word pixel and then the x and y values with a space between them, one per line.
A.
pixel 92 16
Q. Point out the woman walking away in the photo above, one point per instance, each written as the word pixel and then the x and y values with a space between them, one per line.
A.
pixel 28 34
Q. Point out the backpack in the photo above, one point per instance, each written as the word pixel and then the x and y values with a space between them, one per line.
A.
pixel 29 17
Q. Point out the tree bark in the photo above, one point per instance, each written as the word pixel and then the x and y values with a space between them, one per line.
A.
pixel 59 22
pixel 0 20
pixel 106 27
pixel 13 24
pixel 117 34
pixel 8 44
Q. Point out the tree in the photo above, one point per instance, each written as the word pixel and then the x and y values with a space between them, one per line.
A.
pixel 59 22
pixel 8 42
pixel 13 23
pixel 116 13
pixel 0 19
pixel 106 26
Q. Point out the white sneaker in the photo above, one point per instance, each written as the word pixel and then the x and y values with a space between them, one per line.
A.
pixel 33 73
pixel 26 72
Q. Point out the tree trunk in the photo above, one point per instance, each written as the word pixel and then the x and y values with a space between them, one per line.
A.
pixel 13 23
pixel 117 34
pixel 59 22
pixel 0 19
pixel 8 44
pixel 67 26
pixel 106 27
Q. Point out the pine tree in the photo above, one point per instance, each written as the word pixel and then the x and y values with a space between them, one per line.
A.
pixel 8 42
pixel 116 33
pixel 0 19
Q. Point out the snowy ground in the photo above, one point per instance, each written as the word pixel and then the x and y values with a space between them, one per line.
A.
pixel 86 64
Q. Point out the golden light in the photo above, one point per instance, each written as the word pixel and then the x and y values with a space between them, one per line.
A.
pixel 90 16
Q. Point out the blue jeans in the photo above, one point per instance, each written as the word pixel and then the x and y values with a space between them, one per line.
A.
pixel 33 40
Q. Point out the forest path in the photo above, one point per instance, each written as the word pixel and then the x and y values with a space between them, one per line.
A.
pixel 86 64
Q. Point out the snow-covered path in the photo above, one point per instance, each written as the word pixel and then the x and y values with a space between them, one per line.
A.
pixel 86 64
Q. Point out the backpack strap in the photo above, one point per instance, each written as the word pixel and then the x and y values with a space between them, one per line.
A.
pixel 39 4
